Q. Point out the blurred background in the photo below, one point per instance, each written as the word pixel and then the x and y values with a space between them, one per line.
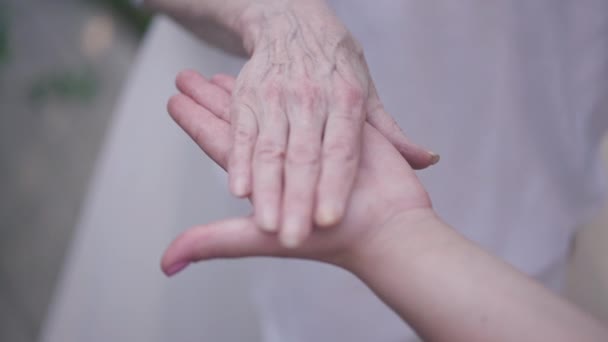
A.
pixel 62 66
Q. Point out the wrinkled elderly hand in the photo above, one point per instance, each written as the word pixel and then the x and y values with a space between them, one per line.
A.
pixel 297 110
pixel 385 187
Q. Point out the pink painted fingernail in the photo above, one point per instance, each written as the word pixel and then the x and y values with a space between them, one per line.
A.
pixel 175 268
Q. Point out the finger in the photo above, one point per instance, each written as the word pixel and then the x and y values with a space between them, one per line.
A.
pixel 341 152
pixel 302 169
pixel 268 164
pixel 210 132
pixel 233 238
pixel 417 157
pixel 205 93
pixel 244 135
pixel 224 81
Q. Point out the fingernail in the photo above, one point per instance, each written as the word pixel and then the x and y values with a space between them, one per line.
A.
pixel 268 221
pixel 434 158
pixel 175 268
pixel 290 237
pixel 240 187
pixel 327 216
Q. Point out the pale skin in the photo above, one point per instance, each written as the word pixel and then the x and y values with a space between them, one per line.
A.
pixel 444 286
pixel 298 108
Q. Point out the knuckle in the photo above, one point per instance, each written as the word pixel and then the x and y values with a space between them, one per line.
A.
pixel 243 135
pixel 268 150
pixel 242 106
pixel 303 154
pixel 351 120
pixel 272 91
pixel 244 94
pixel 308 95
pixel 243 131
pixel 342 150
pixel 352 95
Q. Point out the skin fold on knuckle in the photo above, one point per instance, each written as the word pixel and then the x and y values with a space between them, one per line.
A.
pixel 269 151
pixel 342 151
pixel 244 131
pixel 352 96
pixel 242 138
pixel 303 155
pixel 308 96
pixel 350 116
pixel 272 91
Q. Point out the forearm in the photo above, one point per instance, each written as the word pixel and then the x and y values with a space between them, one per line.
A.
pixel 243 21
pixel 449 289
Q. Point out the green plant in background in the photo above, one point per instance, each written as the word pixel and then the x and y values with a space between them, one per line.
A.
pixel 82 84
pixel 75 85
pixel 4 44
pixel 136 17
pixel 70 84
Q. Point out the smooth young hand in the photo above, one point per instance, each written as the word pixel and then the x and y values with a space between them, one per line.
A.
pixel 385 187
pixel 392 240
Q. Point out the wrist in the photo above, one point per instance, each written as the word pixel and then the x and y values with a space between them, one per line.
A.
pixel 261 24
pixel 403 264
pixel 404 238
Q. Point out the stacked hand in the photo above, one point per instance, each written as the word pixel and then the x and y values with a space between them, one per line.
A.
pixel 385 187
pixel 297 110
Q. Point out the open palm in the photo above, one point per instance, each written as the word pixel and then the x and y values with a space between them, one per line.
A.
pixel 385 186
